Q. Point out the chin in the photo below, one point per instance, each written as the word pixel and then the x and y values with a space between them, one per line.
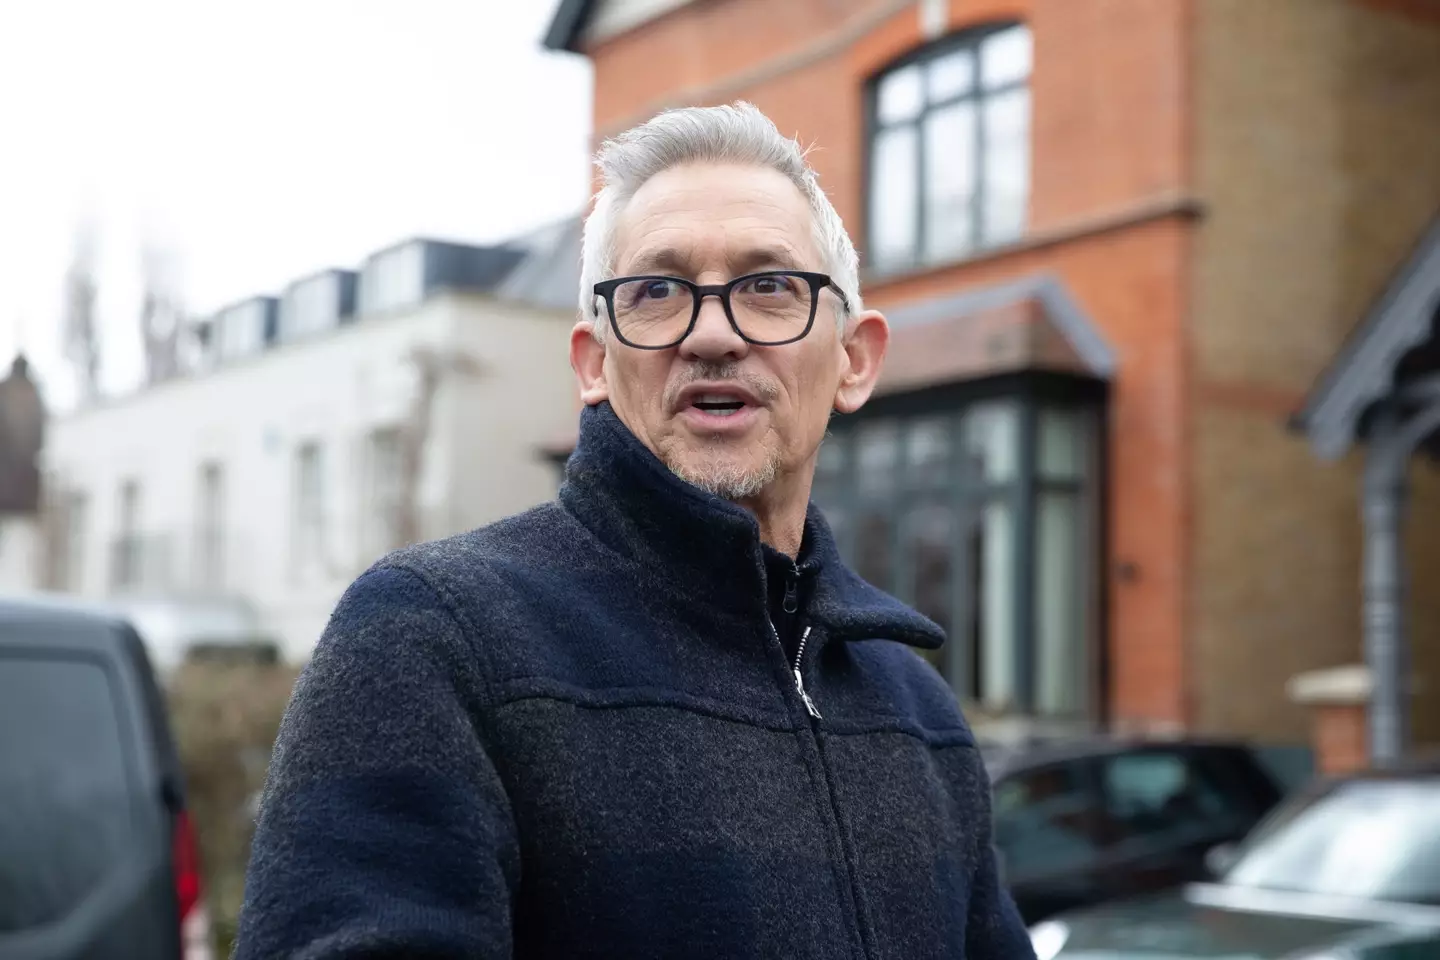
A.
pixel 729 480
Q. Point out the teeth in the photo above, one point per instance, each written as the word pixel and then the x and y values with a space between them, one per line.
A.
pixel 717 398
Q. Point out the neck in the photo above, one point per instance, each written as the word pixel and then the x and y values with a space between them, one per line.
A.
pixel 780 510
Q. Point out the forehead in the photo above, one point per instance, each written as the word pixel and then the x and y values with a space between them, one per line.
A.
pixel 711 216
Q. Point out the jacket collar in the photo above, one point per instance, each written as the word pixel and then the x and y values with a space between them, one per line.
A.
pixel 710 547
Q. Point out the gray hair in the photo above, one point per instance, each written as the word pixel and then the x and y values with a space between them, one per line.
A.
pixel 737 133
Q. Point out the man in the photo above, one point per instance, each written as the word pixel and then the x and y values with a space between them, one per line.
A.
pixel 658 717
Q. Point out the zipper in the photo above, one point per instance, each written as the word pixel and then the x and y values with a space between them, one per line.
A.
pixel 799 680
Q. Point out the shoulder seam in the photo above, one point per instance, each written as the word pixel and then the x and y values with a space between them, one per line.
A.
pixel 466 628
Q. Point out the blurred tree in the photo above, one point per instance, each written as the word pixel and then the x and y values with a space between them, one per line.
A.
pixel 81 335
pixel 226 714
pixel 431 368
pixel 161 317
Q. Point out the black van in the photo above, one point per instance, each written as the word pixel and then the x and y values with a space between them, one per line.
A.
pixel 97 853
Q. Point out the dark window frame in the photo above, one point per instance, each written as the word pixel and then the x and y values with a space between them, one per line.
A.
pixel 970 38
pixel 1030 392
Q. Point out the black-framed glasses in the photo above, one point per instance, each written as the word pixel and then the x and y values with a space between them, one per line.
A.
pixel 766 309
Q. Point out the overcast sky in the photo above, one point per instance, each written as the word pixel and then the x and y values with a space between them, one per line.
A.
pixel 264 139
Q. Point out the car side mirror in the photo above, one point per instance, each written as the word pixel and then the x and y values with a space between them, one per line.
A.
pixel 1220 858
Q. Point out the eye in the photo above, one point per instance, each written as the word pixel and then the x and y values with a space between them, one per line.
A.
pixel 770 285
pixel 655 290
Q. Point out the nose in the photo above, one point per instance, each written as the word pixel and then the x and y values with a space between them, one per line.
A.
pixel 713 338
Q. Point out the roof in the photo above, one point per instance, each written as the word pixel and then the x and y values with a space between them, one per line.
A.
pixel 1029 324
pixel 567 25
pixel 1401 320
pixel 548 272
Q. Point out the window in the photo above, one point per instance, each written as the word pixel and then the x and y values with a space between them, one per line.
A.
pixel 385 493
pixel 68 824
pixel 1363 839
pixel 310 307
pixel 393 279
pixel 1048 821
pixel 210 529
pixel 242 330
pixel 74 516
pixel 1163 798
pixel 981 516
pixel 949 153
pixel 126 550
pixel 308 522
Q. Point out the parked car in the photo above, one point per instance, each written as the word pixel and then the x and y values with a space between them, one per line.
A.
pixel 1348 869
pixel 97 854
pixel 1084 822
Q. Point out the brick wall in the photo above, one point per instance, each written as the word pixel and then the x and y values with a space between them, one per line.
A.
pixel 1318 161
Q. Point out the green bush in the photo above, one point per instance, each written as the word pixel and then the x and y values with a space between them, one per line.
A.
pixel 225 715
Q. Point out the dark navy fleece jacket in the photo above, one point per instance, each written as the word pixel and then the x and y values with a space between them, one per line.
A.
pixel 574 733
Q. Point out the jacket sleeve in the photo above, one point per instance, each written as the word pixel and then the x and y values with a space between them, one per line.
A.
pixel 994 930
pixel 384 830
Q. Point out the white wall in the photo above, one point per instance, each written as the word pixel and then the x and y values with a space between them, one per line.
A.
pixel 252 415
pixel 20 553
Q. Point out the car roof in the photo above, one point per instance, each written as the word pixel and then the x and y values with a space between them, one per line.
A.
pixel 95 625
pixel 1420 765
pixel 1003 759
pixel 57 604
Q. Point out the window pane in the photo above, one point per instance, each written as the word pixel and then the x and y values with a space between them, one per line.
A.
pixel 877 450
pixel 994 551
pixel 1005 57
pixel 1007 164
pixel 1046 821
pixel 928 453
pixel 992 441
pixel 932 543
pixel 873 537
pixel 1157 799
pixel 894 197
pixel 1061 674
pixel 68 817
pixel 950 75
pixel 949 181
pixel 1064 443
pixel 899 96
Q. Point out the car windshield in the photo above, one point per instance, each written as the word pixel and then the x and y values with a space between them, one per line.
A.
pixel 1370 839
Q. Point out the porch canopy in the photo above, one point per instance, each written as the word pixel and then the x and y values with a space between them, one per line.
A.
pixel 1383 390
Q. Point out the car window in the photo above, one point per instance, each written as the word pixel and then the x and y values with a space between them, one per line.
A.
pixel 1047 821
pixel 1166 797
pixel 1374 840
pixel 66 797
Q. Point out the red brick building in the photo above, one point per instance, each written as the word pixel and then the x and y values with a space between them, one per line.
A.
pixel 1117 240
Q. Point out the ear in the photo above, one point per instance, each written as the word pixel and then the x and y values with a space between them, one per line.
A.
pixel 866 339
pixel 587 359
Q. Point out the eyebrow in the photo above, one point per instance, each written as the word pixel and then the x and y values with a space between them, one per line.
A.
pixel 678 263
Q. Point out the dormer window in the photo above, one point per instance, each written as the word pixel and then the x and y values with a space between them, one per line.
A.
pixel 242 330
pixel 310 307
pixel 393 279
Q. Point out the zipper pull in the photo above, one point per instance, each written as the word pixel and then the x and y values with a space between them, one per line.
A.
pixel 791 602
pixel 809 704
pixel 799 680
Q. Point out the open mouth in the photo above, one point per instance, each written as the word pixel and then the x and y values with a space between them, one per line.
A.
pixel 718 405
